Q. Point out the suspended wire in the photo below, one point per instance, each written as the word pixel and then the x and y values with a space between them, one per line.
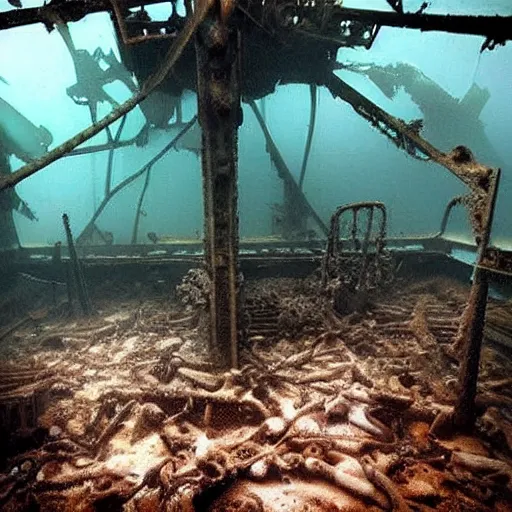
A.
pixel 311 130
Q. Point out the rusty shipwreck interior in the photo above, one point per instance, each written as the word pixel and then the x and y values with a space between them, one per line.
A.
pixel 328 367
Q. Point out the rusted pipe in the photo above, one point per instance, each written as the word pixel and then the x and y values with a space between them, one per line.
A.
pixel 465 412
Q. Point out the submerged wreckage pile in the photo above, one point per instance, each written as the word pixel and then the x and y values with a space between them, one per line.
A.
pixel 133 417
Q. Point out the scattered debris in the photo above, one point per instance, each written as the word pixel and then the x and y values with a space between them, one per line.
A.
pixel 130 414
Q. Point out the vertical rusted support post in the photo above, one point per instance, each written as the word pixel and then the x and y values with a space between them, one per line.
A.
pixel 464 412
pixel 83 296
pixel 220 115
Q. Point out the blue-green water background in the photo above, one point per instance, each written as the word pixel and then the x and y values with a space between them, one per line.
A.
pixel 350 161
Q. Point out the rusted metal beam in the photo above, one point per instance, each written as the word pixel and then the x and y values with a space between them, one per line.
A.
pixel 459 162
pixel 292 190
pixel 61 11
pixel 497 29
pixel 474 320
pixel 493 28
pixel 220 115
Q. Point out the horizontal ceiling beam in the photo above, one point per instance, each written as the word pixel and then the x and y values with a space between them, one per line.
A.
pixel 496 29
pixel 58 11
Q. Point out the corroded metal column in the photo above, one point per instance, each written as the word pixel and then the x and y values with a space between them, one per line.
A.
pixel 218 93
pixel 465 410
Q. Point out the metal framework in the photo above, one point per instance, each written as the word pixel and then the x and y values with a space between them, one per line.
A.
pixel 312 32
pixel 350 258
pixel 335 244
pixel 496 29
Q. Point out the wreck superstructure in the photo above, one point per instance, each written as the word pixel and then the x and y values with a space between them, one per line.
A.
pixel 286 357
